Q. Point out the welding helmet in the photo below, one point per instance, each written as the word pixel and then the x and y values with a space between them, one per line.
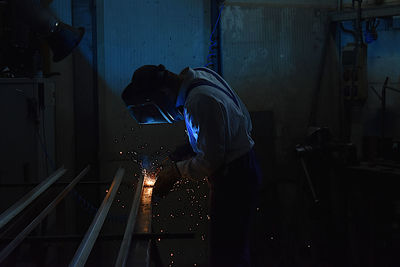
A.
pixel 146 97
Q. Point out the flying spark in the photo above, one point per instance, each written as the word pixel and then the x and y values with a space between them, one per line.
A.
pixel 149 178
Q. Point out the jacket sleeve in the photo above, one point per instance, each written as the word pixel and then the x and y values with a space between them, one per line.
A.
pixel 206 125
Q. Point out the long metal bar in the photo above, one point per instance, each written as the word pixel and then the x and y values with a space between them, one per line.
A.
pixel 376 93
pixel 126 241
pixel 91 183
pixel 78 238
pixel 20 237
pixel 310 183
pixel 15 209
pixel 139 254
pixel 367 13
pixel 92 233
pixel 393 89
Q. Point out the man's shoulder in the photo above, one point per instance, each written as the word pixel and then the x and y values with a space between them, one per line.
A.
pixel 202 103
pixel 201 94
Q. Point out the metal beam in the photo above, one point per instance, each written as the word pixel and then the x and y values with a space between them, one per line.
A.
pixel 91 183
pixel 78 238
pixel 140 250
pixel 20 237
pixel 15 209
pixel 387 11
pixel 83 252
pixel 126 241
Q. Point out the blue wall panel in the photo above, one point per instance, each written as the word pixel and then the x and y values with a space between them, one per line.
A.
pixel 62 9
pixel 152 32
pixel 134 33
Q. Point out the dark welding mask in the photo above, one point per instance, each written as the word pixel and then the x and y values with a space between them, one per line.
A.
pixel 146 99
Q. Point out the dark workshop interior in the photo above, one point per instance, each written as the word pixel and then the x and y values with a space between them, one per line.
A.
pixel 320 79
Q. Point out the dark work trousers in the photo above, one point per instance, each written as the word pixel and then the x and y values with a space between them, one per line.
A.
pixel 233 200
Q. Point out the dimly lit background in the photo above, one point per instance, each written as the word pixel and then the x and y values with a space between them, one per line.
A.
pixel 319 77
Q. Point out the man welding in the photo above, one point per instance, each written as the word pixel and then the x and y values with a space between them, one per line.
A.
pixel 218 125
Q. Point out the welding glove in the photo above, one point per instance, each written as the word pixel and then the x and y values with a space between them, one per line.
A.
pixel 169 174
pixel 182 152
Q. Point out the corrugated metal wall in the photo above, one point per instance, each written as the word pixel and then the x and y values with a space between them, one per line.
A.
pixel 271 56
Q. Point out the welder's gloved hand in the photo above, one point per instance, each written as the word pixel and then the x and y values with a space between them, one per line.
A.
pixel 182 152
pixel 166 179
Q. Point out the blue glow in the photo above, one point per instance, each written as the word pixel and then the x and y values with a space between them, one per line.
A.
pixel 369 37
pixel 192 131
pixel 145 162
pixel 149 113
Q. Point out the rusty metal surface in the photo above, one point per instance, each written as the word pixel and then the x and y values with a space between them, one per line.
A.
pixel 140 252
pixel 144 218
